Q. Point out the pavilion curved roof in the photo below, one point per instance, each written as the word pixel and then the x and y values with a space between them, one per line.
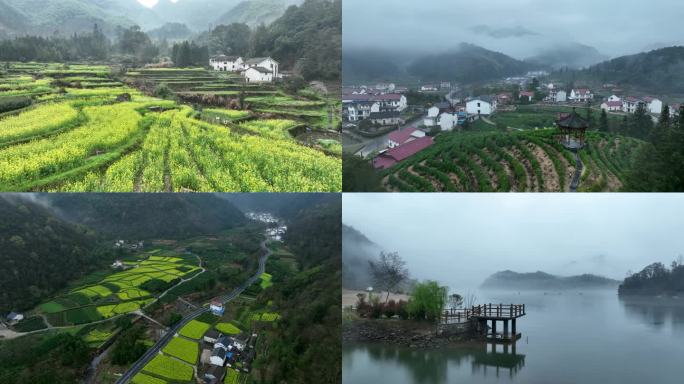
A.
pixel 572 120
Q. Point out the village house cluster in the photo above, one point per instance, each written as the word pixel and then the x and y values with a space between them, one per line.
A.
pixel 255 70
pixel 381 105
pixel 221 352
pixel 629 104
pixel 129 245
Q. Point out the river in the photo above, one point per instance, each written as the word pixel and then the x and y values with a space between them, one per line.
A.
pixel 570 337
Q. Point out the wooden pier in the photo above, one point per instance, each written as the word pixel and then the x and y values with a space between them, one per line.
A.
pixel 489 314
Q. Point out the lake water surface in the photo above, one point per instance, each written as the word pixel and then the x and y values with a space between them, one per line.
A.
pixel 569 337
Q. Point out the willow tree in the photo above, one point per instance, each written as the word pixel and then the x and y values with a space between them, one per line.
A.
pixel 427 301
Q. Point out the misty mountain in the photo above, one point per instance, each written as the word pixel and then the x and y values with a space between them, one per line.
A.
pixel 256 12
pixel 170 31
pixel 371 65
pixel 544 281
pixel 146 216
pixel 357 251
pixel 572 55
pixel 658 71
pixel 65 17
pixel 467 64
pixel 35 243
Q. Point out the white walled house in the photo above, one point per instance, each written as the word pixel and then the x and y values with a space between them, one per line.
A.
pixel 14 318
pixel 227 63
pixel 611 106
pixel 264 62
pixel 560 96
pixel 581 95
pixel 629 104
pixel 614 98
pixel 258 75
pixel 447 121
pixel 386 118
pixel 654 105
pixel 481 106
pixel 218 357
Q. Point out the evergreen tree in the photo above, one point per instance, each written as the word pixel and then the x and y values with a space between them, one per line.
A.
pixel 603 122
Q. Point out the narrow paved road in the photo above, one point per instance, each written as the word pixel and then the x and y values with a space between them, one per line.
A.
pixel 152 352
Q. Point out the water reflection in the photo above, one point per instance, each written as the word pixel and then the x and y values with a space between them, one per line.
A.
pixel 432 366
pixel 656 312
pixel 499 358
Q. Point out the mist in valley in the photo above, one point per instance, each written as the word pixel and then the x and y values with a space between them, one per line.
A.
pixel 520 29
pixel 460 240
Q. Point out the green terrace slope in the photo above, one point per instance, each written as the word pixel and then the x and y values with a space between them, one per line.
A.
pixel 525 161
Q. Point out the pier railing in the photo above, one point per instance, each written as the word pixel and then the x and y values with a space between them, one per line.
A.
pixel 485 311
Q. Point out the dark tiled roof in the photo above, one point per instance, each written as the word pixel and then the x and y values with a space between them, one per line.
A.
pixel 261 69
pixel 572 120
pixel 384 115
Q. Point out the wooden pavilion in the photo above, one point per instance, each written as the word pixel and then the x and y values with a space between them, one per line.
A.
pixel 573 129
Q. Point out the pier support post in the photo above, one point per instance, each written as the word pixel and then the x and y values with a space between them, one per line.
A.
pixel 505 332
pixel 513 328
pixel 494 328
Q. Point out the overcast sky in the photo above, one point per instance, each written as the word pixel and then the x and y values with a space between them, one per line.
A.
pixel 460 239
pixel 515 27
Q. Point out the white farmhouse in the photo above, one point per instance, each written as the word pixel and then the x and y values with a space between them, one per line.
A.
pixel 484 105
pixel 654 105
pixel 561 96
pixel 581 95
pixel 432 115
pixel 218 357
pixel 258 75
pixel 264 62
pixel 447 121
pixel 611 106
pixel 227 63
pixel 14 318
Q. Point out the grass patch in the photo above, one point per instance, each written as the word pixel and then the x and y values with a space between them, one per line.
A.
pixel 194 330
pixel 183 349
pixel 266 280
pixel 228 328
pixel 169 368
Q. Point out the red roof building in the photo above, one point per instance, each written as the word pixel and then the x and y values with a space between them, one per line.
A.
pixel 402 152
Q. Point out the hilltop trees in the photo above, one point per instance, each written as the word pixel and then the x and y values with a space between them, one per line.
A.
pixel 656 279
pixel 188 54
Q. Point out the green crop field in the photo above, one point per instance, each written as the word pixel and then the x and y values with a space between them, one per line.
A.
pixel 228 328
pixel 142 378
pixel 266 280
pixel 115 293
pixel 169 368
pixel 183 349
pixel 71 130
pixel 528 161
pixel 194 329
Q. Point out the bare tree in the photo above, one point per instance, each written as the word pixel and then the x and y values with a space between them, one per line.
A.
pixel 470 300
pixel 455 300
pixel 388 272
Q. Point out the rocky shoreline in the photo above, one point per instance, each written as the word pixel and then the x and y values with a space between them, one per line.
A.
pixel 405 333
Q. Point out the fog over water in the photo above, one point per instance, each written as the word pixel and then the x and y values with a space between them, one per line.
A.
pixel 464 238
pixel 518 28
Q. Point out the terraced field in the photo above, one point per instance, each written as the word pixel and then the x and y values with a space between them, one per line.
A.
pixel 84 131
pixel 530 161
pixel 117 293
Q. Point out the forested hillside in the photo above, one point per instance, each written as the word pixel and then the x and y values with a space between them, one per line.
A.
pixel 305 347
pixel 468 64
pixel 147 216
pixel 660 71
pixel 655 279
pixel 545 281
pixel 35 245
